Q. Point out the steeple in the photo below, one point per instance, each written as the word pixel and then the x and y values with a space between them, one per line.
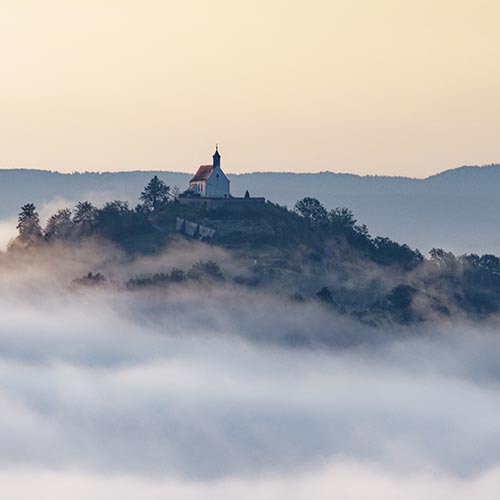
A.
pixel 216 157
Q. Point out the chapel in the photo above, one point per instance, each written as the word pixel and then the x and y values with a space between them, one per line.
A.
pixel 209 180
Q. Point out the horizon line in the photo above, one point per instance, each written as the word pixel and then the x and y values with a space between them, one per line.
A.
pixel 260 172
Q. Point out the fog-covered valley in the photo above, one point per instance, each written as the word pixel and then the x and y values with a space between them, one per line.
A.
pixel 195 392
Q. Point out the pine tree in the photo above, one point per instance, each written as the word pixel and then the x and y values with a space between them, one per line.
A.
pixel 155 194
pixel 84 217
pixel 28 224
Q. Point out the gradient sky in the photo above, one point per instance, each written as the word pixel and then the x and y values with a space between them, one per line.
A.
pixel 371 87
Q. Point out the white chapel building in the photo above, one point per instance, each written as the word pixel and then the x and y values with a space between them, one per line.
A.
pixel 210 181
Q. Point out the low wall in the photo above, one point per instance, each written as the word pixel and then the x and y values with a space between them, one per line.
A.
pixel 214 203
pixel 194 229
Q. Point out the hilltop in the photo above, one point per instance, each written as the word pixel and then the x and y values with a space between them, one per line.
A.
pixel 456 209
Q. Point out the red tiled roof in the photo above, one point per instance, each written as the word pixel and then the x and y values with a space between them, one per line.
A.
pixel 203 173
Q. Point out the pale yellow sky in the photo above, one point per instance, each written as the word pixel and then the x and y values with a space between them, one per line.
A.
pixel 370 86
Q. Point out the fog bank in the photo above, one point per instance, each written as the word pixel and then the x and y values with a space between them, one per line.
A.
pixel 193 393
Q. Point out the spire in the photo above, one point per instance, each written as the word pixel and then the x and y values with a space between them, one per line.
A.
pixel 216 157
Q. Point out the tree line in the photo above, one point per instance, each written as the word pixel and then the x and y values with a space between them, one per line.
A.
pixel 111 219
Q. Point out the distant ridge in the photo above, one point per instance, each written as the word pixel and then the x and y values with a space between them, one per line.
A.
pixel 466 168
pixel 450 171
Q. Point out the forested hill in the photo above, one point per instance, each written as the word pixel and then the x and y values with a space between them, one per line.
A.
pixel 458 209
pixel 308 254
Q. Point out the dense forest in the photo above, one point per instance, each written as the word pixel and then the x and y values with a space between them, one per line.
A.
pixel 305 254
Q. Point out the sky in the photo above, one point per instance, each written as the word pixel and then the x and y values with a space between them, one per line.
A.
pixel 393 87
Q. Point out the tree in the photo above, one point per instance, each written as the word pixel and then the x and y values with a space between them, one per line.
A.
pixel 390 252
pixel 445 261
pixel 401 297
pixel 84 218
pixel 490 262
pixel 175 192
pixel 312 210
pixel 59 225
pixel 325 295
pixel 155 194
pixel 117 222
pixel 110 217
pixel 342 218
pixel 91 279
pixel 114 208
pixel 362 231
pixel 209 271
pixel 28 224
pixel 177 275
pixel 471 259
pixel 84 214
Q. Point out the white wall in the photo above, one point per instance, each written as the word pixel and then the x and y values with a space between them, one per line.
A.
pixel 217 185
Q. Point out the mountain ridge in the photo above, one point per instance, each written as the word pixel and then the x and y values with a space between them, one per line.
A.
pixel 490 166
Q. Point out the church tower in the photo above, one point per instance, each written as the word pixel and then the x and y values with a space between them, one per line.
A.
pixel 216 157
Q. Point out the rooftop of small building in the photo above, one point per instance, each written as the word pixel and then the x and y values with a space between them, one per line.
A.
pixel 203 173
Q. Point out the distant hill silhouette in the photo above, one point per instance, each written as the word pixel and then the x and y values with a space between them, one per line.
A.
pixel 458 209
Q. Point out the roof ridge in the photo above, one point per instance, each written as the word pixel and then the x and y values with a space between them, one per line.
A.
pixel 203 173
